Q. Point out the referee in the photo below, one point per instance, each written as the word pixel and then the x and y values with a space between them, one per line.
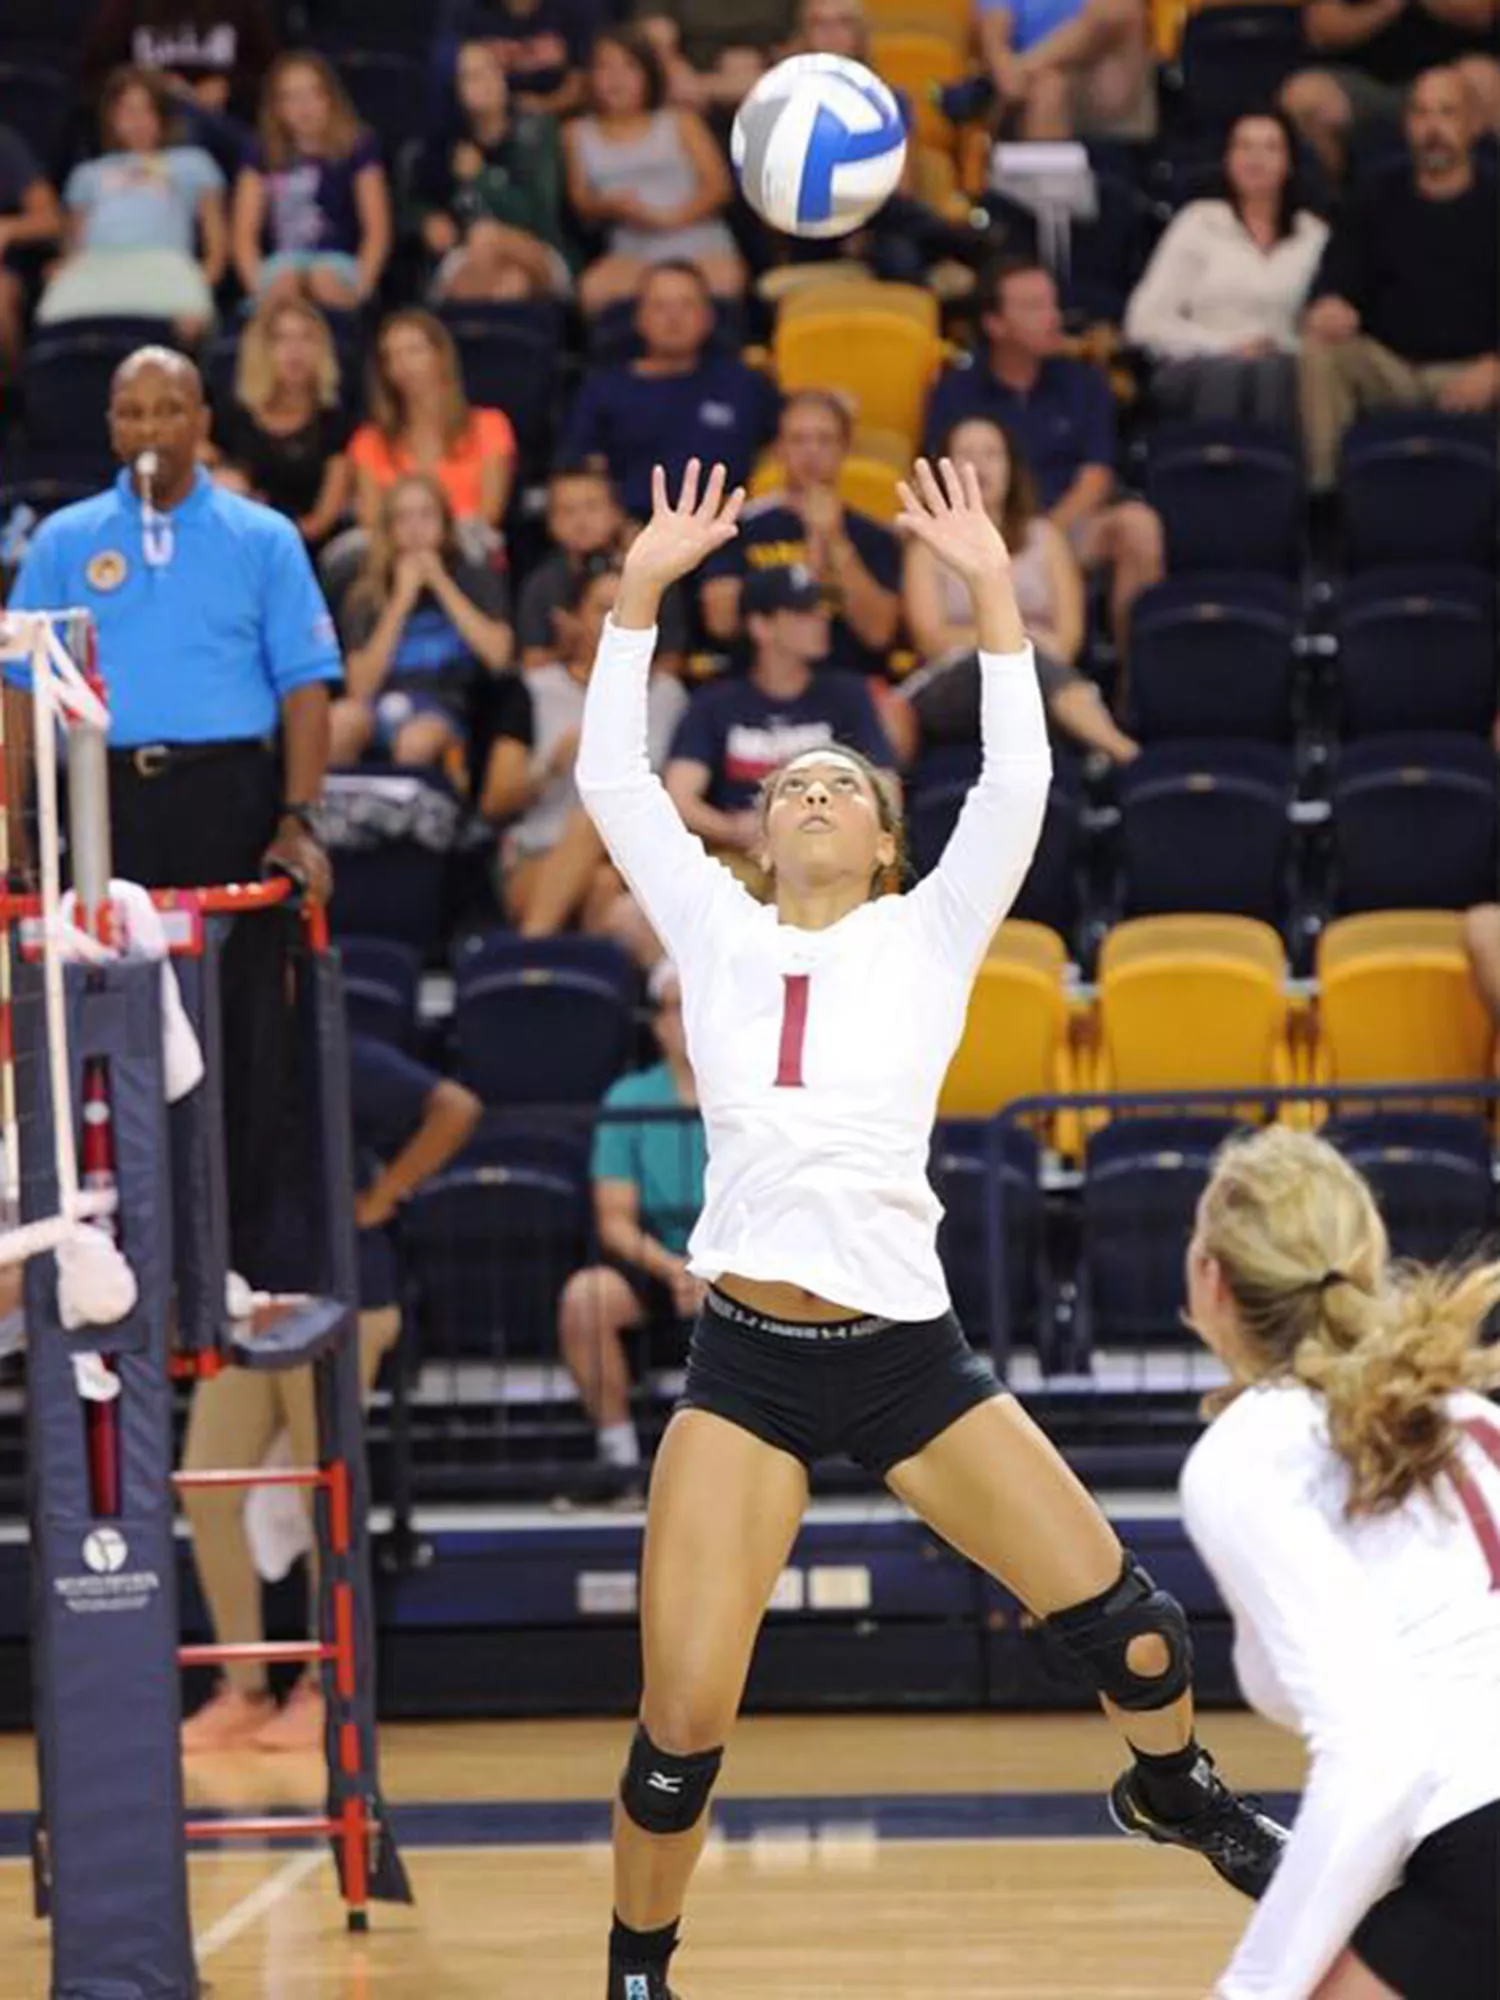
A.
pixel 217 652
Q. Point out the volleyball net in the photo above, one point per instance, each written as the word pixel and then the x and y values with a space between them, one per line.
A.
pixel 53 719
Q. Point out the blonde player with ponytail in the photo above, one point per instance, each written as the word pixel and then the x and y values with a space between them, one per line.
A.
pixel 1347 1499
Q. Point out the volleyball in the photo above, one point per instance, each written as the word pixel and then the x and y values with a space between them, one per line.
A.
pixel 818 145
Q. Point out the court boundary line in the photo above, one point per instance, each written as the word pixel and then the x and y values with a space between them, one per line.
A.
pixel 258 1902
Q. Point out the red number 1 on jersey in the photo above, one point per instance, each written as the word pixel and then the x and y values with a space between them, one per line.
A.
pixel 793 1029
pixel 1481 1520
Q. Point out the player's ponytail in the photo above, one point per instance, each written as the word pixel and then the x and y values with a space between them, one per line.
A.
pixel 1302 1250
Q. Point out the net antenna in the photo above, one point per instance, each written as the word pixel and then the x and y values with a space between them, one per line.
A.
pixel 51 655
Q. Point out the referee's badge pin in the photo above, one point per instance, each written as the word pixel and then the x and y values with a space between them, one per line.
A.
pixel 107 570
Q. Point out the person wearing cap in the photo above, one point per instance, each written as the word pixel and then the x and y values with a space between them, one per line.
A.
pixel 738 730
pixel 648 1164
pixel 217 652
pixel 854 558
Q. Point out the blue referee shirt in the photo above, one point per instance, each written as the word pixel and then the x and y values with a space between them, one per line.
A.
pixel 204 647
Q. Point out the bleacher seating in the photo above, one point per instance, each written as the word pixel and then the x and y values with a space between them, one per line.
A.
pixel 1416 651
pixel 1213 656
pixel 544 1021
pixel 1397 999
pixel 1416 486
pixel 1231 497
pixel 381 981
pixel 1204 826
pixel 1415 823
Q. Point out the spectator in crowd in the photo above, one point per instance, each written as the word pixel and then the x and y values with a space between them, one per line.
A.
pixel 145 233
pixel 1374 48
pixel 491 194
pixel 586 522
pixel 679 400
pixel 1408 298
pixel 312 211
pixel 650 174
pixel 714 51
pixel 648 1188
pixel 855 559
pixel 418 625
pixel 29 215
pixel 1061 67
pixel 553 867
pixel 738 730
pixel 284 439
pixel 408 1122
pixel 215 52
pixel 1220 301
pixel 940 702
pixel 1061 415
pixel 421 421
pixel 1482 935
pixel 542 45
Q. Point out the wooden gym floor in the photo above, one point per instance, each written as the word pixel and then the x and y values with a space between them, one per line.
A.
pixel 893 1857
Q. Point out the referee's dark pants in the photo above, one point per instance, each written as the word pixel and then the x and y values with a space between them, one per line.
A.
pixel 193 816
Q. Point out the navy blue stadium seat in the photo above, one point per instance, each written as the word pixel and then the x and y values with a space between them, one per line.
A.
pixel 381 979
pixel 980 1171
pixel 1050 893
pixel 1431 1174
pixel 36 101
pixel 65 378
pixel 1203 826
pixel 1236 58
pixel 389 87
pixel 1417 651
pixel 486 1251
pixel 1415 823
pixel 1213 656
pixel 1141 1181
pixel 1418 486
pixel 542 1021
pixel 510 356
pixel 1107 252
pixel 1230 496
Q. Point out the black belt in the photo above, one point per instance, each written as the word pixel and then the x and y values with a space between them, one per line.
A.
pixel 154 760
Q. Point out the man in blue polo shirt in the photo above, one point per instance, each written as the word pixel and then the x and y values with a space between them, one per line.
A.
pixel 1061 416
pixel 217 652
pixel 680 400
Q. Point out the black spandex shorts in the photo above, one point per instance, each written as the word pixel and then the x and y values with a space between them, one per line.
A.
pixel 874 1390
pixel 1436 1936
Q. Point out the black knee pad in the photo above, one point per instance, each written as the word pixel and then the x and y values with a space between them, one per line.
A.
pixel 663 1793
pixel 1096 1637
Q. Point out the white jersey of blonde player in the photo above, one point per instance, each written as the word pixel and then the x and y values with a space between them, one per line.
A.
pixel 1376 1638
pixel 819 1055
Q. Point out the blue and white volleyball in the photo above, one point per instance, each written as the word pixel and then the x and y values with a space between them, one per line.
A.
pixel 818 145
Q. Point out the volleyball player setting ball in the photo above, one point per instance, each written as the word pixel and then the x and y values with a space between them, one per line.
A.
pixel 1347 1499
pixel 820 1026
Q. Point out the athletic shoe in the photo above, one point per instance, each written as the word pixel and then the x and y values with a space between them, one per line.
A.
pixel 229 1720
pixel 1231 1832
pixel 298 1726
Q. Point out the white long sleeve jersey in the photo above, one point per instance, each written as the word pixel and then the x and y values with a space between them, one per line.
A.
pixel 1377 1639
pixel 819 1054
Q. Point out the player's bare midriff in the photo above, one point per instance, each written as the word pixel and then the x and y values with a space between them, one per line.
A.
pixel 781 1301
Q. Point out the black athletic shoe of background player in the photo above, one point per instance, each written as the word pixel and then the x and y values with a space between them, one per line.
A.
pixel 1231 1832
pixel 639 1985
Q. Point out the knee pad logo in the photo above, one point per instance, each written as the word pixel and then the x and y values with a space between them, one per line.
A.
pixel 662 1781
pixel 637 1986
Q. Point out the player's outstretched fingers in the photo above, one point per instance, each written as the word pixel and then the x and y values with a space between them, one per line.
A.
pixel 952 485
pixel 972 495
pixel 713 493
pixel 687 499
pixel 927 485
pixel 660 500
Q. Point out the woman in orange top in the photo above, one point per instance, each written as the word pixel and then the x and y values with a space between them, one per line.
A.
pixel 421 421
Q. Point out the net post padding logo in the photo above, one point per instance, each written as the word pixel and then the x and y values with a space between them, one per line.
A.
pixel 105 1551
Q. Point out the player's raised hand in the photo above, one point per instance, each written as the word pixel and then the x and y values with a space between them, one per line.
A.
pixel 948 516
pixel 683 531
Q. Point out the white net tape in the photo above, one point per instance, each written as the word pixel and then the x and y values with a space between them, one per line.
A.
pixel 35 660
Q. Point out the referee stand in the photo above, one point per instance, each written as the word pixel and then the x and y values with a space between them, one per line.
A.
pixel 112 1835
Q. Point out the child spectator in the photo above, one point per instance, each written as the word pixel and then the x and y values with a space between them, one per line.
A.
pixel 653 176
pixel 284 438
pixel 312 212
pixel 145 229
pixel 419 624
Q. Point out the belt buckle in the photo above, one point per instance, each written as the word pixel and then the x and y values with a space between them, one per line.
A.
pixel 150 759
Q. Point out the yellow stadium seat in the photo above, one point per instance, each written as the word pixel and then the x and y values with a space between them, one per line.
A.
pixel 914 63
pixel 953 20
pixel 884 362
pixel 1234 937
pixel 1015 1041
pixel 866 484
pixel 837 291
pixel 1397 1001
pixel 1191 1018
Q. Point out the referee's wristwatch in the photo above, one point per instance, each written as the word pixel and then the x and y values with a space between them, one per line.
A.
pixel 305 815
